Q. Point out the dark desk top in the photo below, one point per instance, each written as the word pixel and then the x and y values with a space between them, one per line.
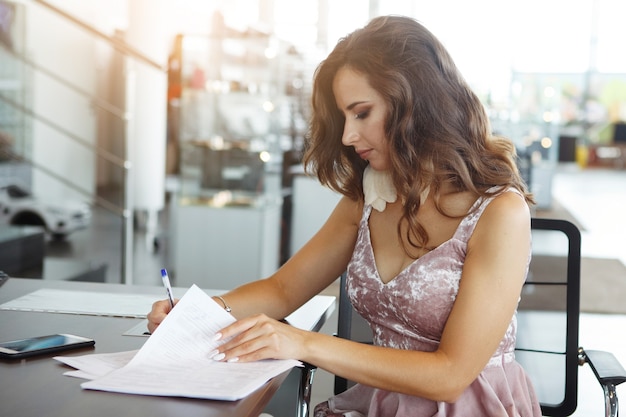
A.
pixel 37 386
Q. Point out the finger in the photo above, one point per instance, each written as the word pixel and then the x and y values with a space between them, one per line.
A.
pixel 159 311
pixel 239 327
pixel 261 341
pixel 253 356
pixel 151 327
pixel 251 350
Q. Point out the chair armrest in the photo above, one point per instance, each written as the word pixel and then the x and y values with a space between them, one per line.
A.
pixel 304 389
pixel 605 366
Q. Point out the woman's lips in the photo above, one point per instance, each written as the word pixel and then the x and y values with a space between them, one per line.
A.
pixel 364 154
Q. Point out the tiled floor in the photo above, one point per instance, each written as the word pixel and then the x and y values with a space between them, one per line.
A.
pixel 596 198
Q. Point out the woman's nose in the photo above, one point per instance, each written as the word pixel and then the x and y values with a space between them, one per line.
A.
pixel 350 136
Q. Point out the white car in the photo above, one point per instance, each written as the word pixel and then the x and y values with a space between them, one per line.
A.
pixel 19 207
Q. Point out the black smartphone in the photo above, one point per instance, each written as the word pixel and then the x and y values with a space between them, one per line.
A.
pixel 16 349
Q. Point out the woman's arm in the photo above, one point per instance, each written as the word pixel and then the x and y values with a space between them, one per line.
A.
pixel 490 287
pixel 309 271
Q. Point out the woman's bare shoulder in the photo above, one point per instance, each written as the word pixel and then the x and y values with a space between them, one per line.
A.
pixel 350 211
pixel 507 210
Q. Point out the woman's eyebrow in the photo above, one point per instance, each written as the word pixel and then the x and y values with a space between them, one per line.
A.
pixel 353 105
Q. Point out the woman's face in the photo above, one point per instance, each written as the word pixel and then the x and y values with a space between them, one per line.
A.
pixel 365 112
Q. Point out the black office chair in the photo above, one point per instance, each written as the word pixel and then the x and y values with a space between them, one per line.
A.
pixel 547 341
pixel 548 317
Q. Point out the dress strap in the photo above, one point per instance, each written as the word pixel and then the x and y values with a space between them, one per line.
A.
pixel 468 223
pixel 367 210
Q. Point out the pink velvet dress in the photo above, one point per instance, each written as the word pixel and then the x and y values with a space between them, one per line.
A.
pixel 410 312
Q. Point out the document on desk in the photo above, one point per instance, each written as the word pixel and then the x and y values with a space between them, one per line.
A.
pixel 175 361
pixel 84 302
pixel 96 365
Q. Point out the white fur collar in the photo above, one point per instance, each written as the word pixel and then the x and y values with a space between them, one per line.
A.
pixel 378 188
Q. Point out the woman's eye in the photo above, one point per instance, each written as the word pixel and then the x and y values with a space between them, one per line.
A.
pixel 362 115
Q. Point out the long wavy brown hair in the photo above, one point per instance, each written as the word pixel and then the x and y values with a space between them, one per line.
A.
pixel 437 128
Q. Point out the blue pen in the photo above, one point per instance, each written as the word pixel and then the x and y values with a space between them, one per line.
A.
pixel 168 286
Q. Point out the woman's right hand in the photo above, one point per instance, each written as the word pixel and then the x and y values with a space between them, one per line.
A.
pixel 159 311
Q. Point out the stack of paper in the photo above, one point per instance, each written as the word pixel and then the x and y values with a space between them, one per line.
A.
pixel 175 361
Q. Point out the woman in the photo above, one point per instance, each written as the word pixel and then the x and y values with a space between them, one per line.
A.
pixel 433 231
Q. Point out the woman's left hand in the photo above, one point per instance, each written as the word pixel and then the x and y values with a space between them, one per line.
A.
pixel 260 337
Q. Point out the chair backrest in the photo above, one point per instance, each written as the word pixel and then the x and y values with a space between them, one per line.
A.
pixel 547 318
pixel 348 321
pixel 547 333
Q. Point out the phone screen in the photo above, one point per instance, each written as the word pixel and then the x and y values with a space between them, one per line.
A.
pixel 43 344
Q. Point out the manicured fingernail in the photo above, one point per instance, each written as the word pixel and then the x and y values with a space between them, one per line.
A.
pixel 235 359
pixel 219 357
pixel 217 336
pixel 213 353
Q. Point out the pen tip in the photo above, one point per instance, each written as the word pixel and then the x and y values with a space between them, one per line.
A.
pixel 163 272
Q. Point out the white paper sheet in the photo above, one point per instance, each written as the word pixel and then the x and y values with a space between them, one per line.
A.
pixel 96 365
pixel 175 361
pixel 84 302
